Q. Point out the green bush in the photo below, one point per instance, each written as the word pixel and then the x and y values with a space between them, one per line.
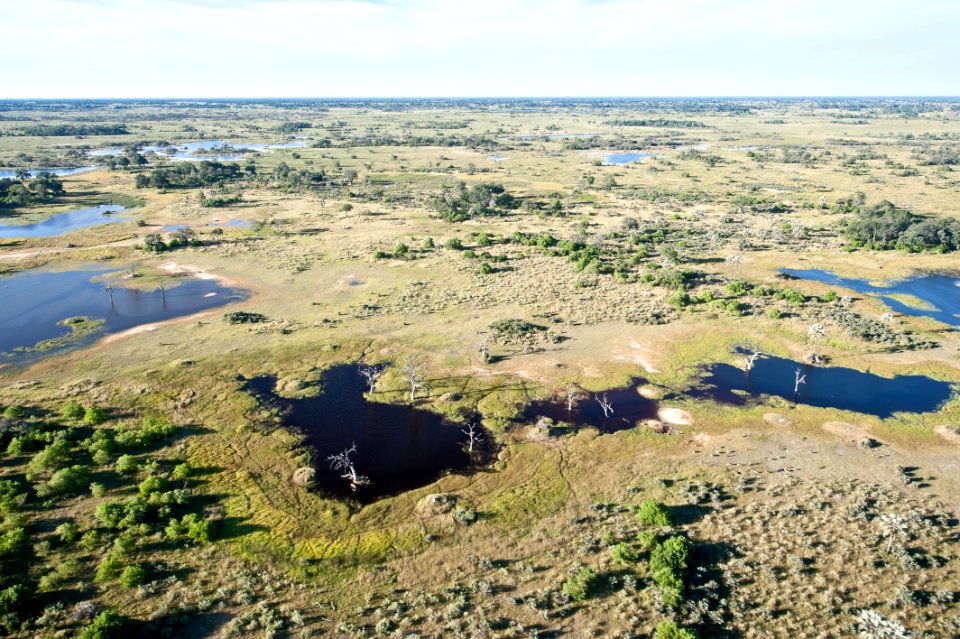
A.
pixel 13 412
pixel 646 539
pixel 582 585
pixel 73 479
pixel 670 630
pixel 74 410
pixel 109 568
pixel 13 542
pixel 126 465
pixel 152 485
pixel 94 416
pixel 624 553
pixel 12 598
pixel 653 513
pixel 68 532
pixel 132 576
pixel 109 624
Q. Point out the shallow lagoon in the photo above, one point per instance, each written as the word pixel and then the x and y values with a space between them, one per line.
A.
pixel 12 173
pixel 618 159
pixel 825 387
pixel 941 293
pixel 33 303
pixel 64 222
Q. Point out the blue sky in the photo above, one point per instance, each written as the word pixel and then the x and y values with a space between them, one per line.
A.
pixel 330 48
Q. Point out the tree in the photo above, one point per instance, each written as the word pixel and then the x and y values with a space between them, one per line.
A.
pixel 73 410
pixel 670 630
pixel 372 375
pixel 605 405
pixel 343 462
pixel 109 624
pixel 411 370
pixel 815 333
pixel 474 437
pixel 94 416
pixel 654 513
pixel 572 395
pixel 798 378
pixel 133 576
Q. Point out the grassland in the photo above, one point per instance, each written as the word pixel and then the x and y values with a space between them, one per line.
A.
pixel 800 518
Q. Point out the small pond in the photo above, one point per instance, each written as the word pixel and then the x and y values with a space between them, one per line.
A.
pixel 35 304
pixel 64 222
pixel 628 408
pixel 12 173
pixel 618 159
pixel 825 387
pixel 939 294
pixel 399 446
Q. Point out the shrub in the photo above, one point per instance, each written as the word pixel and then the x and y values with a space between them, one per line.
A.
pixel 132 576
pixel 670 630
pixel 13 542
pixel 74 410
pixel 68 532
pixel 624 553
pixel 13 412
pixel 181 471
pixel 109 568
pixel 126 465
pixel 152 485
pixel 646 539
pixel 69 480
pixel 109 624
pixel 94 416
pixel 12 598
pixel 582 585
pixel 454 243
pixel 653 513
pixel 245 317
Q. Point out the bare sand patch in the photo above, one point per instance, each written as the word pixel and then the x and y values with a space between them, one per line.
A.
pixel 675 416
pixel 948 432
pixel 776 419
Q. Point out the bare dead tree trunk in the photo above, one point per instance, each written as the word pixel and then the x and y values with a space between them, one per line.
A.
pixel 372 375
pixel 484 349
pixel 343 462
pixel 473 436
pixel 573 395
pixel 108 289
pixel 411 371
pixel 605 405
pixel 798 378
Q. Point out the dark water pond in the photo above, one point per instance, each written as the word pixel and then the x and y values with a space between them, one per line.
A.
pixel 12 173
pixel 625 158
pixel 33 303
pixel 825 387
pixel 628 407
pixel 399 446
pixel 65 222
pixel 940 292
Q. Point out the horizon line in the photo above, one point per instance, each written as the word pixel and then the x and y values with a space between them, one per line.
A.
pixel 503 97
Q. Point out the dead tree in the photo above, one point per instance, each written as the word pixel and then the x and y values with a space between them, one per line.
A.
pixel 750 362
pixel 372 375
pixel 605 405
pixel 411 371
pixel 798 378
pixel 473 436
pixel 108 289
pixel 342 462
pixel 163 291
pixel 573 395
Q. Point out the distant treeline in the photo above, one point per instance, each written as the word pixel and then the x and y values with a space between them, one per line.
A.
pixel 60 130
pixel 667 124
pixel 423 140
pixel 193 174
pixel 24 190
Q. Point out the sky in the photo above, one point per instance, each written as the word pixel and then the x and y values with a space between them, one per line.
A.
pixel 467 48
